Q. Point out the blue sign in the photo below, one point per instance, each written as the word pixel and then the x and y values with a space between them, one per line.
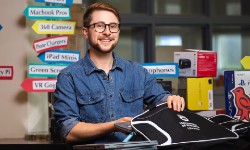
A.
pixel 59 56
pixel 162 69
pixel 66 2
pixel 47 12
pixel 45 70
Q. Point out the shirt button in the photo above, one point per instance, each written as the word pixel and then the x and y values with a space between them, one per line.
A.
pixel 111 95
pixel 112 115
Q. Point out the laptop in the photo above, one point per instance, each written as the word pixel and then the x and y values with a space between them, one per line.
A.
pixel 132 145
pixel 124 127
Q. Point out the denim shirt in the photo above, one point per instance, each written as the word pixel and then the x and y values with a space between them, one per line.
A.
pixel 85 93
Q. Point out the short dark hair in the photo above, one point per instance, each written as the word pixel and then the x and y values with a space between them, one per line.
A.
pixel 87 17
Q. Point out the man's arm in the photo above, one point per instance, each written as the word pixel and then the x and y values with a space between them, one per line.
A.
pixel 175 102
pixel 68 117
pixel 86 131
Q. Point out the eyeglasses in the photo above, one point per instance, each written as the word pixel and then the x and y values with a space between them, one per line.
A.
pixel 100 27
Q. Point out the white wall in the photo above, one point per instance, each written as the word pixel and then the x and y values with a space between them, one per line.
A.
pixel 13 107
pixel 20 112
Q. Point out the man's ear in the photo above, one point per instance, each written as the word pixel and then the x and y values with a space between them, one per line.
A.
pixel 85 32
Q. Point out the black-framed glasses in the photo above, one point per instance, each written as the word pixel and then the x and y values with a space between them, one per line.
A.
pixel 100 27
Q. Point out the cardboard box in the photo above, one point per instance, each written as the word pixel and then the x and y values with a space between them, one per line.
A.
pixel 198 93
pixel 237 94
pixel 196 63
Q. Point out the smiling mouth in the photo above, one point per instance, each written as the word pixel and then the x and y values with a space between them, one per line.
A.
pixel 106 40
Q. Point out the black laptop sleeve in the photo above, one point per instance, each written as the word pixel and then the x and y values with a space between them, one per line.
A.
pixel 242 128
pixel 170 127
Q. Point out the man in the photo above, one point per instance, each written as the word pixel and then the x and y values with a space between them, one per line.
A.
pixel 102 89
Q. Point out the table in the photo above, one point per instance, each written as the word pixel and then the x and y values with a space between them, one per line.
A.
pixel 22 144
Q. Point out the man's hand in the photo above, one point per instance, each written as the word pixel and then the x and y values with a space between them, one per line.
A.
pixel 176 102
pixel 124 119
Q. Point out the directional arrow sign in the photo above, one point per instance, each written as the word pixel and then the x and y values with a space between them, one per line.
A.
pixel 59 56
pixel 246 62
pixel 39 85
pixel 44 70
pixel 66 2
pixel 1 27
pixel 54 27
pixel 6 72
pixel 54 42
pixel 162 69
pixel 47 12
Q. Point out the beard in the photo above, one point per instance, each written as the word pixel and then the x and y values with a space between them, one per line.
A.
pixel 98 48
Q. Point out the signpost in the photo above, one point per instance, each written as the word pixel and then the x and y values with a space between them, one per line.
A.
pixel 42 77
pixel 45 70
pixel 59 56
pixel 39 85
pixel 6 72
pixel 54 27
pixel 47 12
pixel 245 62
pixel 54 42
pixel 162 69
pixel 65 2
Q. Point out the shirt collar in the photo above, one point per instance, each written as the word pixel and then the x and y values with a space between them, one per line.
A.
pixel 91 67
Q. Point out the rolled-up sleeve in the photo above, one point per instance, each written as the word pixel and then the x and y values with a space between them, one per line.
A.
pixel 65 105
pixel 66 126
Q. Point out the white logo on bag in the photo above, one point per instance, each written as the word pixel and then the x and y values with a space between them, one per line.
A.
pixel 182 117
pixel 186 124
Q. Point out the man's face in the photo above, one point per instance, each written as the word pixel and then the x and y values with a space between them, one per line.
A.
pixel 106 41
